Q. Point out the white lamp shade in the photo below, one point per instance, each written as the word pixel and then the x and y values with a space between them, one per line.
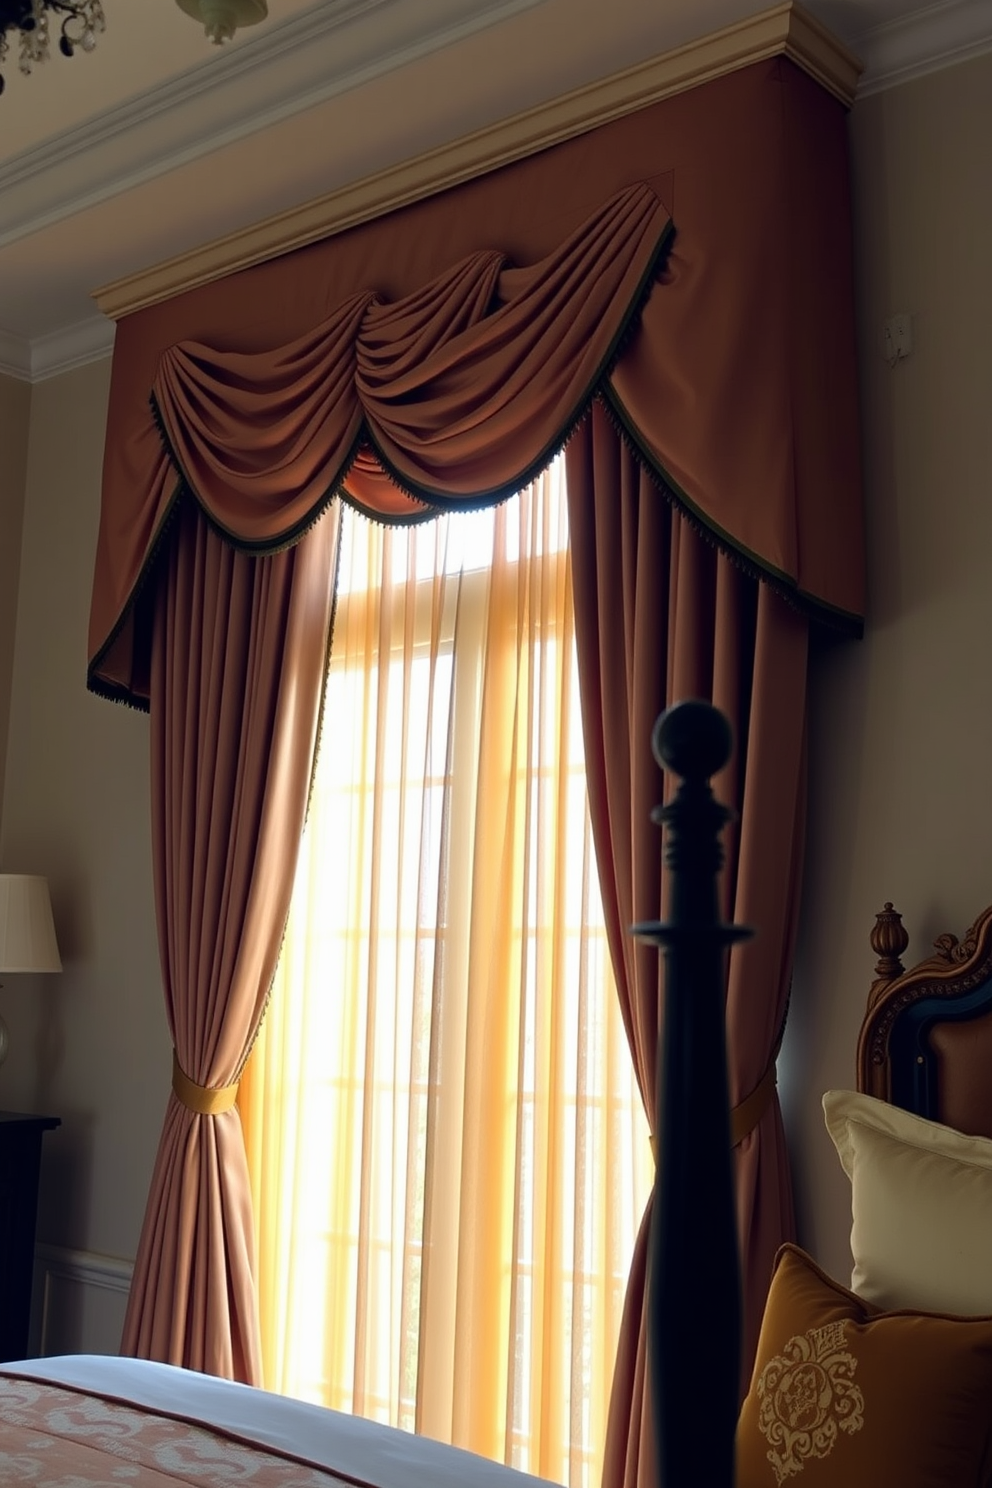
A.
pixel 27 931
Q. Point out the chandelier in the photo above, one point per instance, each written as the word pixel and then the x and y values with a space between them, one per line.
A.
pixel 221 18
pixel 80 22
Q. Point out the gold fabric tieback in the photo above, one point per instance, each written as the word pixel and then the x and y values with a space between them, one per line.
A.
pixel 745 1116
pixel 200 1098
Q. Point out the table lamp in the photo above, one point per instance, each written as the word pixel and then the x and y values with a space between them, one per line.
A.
pixel 27 931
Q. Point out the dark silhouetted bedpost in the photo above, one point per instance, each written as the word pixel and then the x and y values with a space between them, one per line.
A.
pixel 694 1272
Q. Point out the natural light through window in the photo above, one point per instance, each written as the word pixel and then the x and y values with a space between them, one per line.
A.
pixel 448 1153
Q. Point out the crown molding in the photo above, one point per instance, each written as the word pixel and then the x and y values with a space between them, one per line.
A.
pixel 929 39
pixel 267 78
pixel 787 29
pixel 60 351
pixel 15 356
pixel 72 346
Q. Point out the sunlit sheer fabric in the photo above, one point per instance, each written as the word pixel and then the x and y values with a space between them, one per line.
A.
pixel 447 1149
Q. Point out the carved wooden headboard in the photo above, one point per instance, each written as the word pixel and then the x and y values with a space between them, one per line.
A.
pixel 926 1040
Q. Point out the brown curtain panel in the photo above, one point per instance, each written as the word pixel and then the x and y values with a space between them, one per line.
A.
pixel 663 614
pixel 238 661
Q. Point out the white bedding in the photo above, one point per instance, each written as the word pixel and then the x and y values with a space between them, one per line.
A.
pixel 382 1456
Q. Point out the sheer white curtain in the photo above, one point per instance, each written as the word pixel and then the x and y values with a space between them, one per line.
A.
pixel 448 1152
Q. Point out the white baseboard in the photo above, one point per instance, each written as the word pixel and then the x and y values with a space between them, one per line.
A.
pixel 78 1301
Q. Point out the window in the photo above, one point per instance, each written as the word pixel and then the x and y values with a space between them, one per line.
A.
pixel 448 1152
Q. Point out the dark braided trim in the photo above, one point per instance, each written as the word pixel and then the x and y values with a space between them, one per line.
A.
pixel 100 686
pixel 817 611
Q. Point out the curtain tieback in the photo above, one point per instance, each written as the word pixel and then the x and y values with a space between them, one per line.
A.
pixel 745 1116
pixel 747 1113
pixel 201 1098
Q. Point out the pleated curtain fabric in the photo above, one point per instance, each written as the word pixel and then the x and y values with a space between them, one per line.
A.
pixel 238 662
pixel 662 615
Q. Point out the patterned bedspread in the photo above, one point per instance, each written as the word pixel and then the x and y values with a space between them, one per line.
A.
pixel 53 1437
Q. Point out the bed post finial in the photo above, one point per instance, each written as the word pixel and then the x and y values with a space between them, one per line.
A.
pixel 888 940
pixel 694 1271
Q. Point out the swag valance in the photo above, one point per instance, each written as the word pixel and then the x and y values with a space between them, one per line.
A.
pixel 439 355
pixel 462 389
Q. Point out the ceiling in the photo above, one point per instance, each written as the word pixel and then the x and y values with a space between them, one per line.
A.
pixel 158 142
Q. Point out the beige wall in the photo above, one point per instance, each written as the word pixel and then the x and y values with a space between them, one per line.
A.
pixel 90 1045
pixel 15 402
pixel 901 731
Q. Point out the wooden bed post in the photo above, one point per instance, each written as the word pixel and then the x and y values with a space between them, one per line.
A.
pixel 694 1270
pixel 889 940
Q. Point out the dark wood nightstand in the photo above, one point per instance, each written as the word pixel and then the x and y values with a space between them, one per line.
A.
pixel 20 1161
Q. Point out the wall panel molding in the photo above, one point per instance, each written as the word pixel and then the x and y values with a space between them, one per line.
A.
pixel 78 1301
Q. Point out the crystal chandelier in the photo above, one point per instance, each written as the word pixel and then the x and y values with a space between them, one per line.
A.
pixel 80 22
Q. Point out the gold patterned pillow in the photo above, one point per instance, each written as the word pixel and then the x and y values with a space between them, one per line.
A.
pixel 844 1395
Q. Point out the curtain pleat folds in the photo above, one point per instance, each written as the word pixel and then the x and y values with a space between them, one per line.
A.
pixel 238 660
pixel 662 615
pixel 463 388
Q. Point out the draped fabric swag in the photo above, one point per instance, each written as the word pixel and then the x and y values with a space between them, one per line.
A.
pixel 463 388
pixel 435 358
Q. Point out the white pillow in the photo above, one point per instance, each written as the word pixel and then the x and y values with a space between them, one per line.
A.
pixel 921 1202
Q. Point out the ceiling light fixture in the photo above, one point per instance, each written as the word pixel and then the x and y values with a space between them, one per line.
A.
pixel 80 23
pixel 221 18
